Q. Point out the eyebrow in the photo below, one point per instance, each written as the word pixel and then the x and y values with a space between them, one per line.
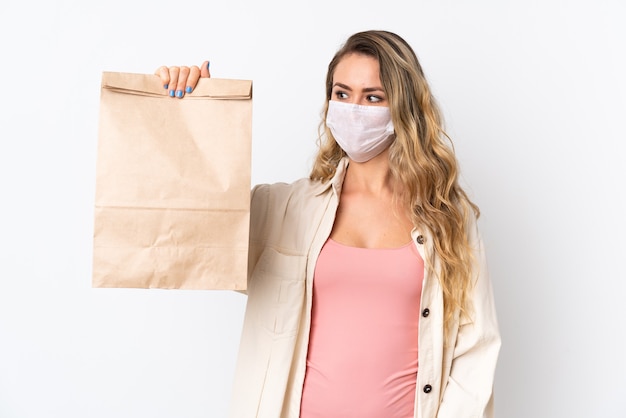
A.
pixel 367 89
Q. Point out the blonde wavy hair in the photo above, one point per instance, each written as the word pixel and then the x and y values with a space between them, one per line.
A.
pixel 421 158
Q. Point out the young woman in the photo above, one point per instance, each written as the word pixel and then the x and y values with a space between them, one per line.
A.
pixel 368 293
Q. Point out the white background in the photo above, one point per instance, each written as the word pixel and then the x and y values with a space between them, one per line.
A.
pixel 535 100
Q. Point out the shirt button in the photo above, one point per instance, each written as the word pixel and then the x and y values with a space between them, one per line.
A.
pixel 425 312
pixel 428 388
pixel 420 239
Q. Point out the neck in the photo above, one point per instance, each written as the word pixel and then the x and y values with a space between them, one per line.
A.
pixel 372 176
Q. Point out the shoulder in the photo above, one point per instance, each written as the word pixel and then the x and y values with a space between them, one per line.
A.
pixel 303 188
pixel 285 216
pixel 281 193
pixel 286 203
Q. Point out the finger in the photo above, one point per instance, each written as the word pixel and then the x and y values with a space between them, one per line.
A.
pixel 204 69
pixel 164 74
pixel 182 82
pixel 174 73
pixel 192 79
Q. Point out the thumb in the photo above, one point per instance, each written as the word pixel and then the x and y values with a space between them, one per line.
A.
pixel 204 69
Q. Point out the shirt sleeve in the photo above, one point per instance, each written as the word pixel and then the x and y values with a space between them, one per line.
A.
pixel 259 200
pixel 469 389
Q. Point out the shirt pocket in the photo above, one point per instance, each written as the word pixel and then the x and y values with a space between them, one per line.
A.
pixel 276 292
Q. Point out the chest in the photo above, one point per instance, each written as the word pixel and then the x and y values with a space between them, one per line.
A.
pixel 370 222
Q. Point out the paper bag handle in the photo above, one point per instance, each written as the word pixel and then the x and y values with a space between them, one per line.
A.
pixel 150 85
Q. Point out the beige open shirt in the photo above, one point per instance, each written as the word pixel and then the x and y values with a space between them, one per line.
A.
pixel 289 225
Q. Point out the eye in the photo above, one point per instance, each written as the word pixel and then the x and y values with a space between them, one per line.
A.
pixel 375 99
pixel 340 95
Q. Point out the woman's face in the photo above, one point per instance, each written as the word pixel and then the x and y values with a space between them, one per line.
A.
pixel 357 80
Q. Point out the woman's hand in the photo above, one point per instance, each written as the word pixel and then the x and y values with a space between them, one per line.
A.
pixel 181 80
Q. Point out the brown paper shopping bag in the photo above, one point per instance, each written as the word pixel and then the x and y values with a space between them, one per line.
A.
pixel 172 199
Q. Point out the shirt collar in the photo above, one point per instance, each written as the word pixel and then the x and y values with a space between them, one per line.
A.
pixel 336 181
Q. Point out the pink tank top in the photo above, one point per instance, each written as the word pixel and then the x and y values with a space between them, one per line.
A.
pixel 362 357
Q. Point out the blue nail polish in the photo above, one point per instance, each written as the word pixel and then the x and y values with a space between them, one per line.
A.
pixel 179 93
pixel 172 93
pixel 188 89
pixel 165 86
pixel 208 65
